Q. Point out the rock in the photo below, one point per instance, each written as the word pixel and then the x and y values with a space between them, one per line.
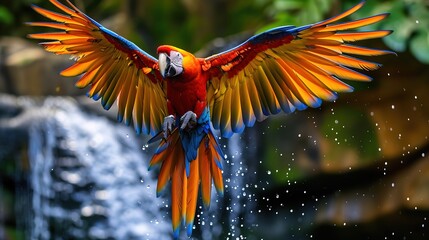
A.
pixel 26 69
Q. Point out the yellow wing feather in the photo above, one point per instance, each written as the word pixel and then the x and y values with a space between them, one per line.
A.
pixel 113 67
pixel 288 68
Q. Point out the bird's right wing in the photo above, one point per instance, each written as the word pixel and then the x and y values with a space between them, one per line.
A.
pixel 112 66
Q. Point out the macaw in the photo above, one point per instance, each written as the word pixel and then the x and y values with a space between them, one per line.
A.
pixel 177 97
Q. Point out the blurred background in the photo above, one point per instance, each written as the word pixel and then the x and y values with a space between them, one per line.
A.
pixel 356 168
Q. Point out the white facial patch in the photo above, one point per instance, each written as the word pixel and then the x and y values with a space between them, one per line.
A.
pixel 171 66
pixel 176 59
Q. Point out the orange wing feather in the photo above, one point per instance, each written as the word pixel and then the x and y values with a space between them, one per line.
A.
pixel 112 66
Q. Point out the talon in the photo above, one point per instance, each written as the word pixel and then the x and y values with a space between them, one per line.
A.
pixel 188 120
pixel 168 125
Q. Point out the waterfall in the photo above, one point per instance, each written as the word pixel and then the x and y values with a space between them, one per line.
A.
pixel 237 206
pixel 41 145
pixel 88 176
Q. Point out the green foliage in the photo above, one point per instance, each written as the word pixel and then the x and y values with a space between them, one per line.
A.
pixel 409 21
pixel 5 16
pixel 297 12
pixel 420 46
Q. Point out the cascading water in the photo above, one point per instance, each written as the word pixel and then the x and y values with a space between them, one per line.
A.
pixel 241 205
pixel 41 145
pixel 88 176
pixel 237 205
pixel 234 185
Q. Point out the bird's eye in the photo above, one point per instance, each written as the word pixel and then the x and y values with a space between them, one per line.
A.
pixel 176 58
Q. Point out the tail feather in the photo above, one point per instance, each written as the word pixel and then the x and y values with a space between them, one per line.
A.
pixel 183 204
pixel 178 178
pixel 204 169
pixel 192 195
pixel 166 170
pixel 163 151
pixel 205 174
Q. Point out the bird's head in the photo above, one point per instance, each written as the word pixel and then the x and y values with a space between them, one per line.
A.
pixel 174 61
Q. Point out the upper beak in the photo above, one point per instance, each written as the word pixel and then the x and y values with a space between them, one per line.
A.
pixel 163 64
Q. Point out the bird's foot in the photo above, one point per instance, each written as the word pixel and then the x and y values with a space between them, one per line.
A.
pixel 188 120
pixel 168 125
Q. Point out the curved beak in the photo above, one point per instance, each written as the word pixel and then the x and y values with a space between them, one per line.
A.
pixel 164 64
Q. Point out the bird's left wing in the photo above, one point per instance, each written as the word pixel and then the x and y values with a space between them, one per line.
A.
pixel 112 66
pixel 287 68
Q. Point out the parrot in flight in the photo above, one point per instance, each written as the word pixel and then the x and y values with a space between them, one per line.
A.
pixel 179 99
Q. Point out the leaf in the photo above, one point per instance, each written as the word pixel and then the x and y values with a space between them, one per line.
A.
pixel 287 5
pixel 419 46
pixel 402 28
pixel 5 16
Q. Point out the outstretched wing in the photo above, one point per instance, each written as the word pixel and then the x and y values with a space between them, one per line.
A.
pixel 112 66
pixel 287 68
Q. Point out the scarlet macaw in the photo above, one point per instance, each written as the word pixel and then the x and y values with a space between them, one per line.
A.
pixel 178 96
